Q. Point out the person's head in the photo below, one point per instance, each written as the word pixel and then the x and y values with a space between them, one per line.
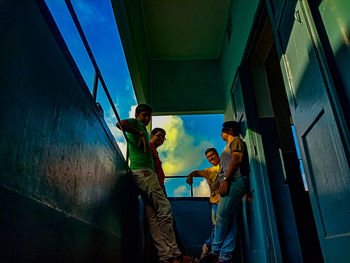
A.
pixel 212 156
pixel 157 136
pixel 143 113
pixel 229 128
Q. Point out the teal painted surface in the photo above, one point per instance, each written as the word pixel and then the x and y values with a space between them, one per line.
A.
pixel 129 16
pixel 34 232
pixel 336 21
pixel 320 136
pixel 185 30
pixel 261 236
pixel 193 223
pixel 241 17
pixel 282 202
pixel 56 153
pixel 277 7
pixel 184 77
pixel 194 81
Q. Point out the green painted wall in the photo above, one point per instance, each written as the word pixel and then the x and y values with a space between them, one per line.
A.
pixel 185 86
pixel 336 20
pixel 241 17
pixel 131 30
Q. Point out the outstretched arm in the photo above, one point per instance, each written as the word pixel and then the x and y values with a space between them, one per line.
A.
pixel 189 179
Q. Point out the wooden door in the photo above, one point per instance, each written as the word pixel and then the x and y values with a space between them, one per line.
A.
pixel 320 127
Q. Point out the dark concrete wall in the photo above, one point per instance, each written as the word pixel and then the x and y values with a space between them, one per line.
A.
pixel 192 218
pixel 64 185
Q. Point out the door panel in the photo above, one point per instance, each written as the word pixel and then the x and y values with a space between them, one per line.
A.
pixel 322 147
pixel 261 236
pixel 276 7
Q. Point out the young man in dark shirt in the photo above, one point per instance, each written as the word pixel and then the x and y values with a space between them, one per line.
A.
pixel 157 206
pixel 233 179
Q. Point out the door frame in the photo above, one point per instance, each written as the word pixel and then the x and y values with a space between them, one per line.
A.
pixel 303 15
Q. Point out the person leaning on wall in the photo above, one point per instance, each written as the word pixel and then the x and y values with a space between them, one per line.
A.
pixel 157 206
pixel 233 178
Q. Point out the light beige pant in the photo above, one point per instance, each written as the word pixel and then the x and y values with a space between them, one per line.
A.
pixel 158 212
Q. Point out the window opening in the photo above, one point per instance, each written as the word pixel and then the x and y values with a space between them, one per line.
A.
pixel 187 138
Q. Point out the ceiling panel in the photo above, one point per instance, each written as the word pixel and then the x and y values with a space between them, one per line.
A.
pixel 184 29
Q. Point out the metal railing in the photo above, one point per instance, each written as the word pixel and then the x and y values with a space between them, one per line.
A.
pixel 181 176
pixel 98 76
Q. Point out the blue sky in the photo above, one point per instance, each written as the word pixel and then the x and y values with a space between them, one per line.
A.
pixel 181 153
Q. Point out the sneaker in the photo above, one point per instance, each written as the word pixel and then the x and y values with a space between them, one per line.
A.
pixel 205 250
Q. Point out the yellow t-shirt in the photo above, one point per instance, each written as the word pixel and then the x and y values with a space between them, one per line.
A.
pixel 211 175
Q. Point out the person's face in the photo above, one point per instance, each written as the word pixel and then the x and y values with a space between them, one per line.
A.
pixel 158 139
pixel 213 158
pixel 144 117
pixel 224 136
pixel 226 133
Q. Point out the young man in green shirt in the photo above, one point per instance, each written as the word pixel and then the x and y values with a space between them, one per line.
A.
pixel 157 206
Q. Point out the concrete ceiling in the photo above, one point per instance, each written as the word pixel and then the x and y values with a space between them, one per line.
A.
pixel 173 49
pixel 184 29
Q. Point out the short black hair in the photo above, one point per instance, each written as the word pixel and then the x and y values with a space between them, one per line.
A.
pixel 155 130
pixel 211 150
pixel 143 107
pixel 227 125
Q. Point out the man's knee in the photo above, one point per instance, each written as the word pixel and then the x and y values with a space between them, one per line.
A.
pixel 221 220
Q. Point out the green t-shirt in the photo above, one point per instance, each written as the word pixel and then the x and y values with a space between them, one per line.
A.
pixel 139 159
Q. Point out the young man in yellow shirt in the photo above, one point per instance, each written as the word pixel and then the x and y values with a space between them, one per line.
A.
pixel 210 174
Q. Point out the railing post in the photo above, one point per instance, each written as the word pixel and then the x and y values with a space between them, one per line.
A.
pixel 191 190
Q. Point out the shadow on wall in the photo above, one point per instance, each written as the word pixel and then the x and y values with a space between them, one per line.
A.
pixel 65 191
pixel 337 57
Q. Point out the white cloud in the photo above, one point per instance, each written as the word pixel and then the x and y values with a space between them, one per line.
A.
pixel 88 13
pixel 181 152
pixel 129 86
pixel 181 191
pixel 111 120
pixel 122 147
pixel 202 190
pixel 132 111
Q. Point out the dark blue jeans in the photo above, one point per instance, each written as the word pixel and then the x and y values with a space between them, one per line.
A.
pixel 210 239
pixel 226 218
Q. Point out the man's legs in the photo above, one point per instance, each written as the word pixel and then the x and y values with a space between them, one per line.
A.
pixel 160 210
pixel 225 218
pixel 231 238
pixel 159 242
pixel 207 245
pixel 209 241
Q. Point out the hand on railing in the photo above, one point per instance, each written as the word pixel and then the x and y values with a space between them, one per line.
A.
pixel 191 184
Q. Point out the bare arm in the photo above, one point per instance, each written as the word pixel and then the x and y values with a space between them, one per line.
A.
pixel 128 128
pixel 236 160
pixel 189 179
